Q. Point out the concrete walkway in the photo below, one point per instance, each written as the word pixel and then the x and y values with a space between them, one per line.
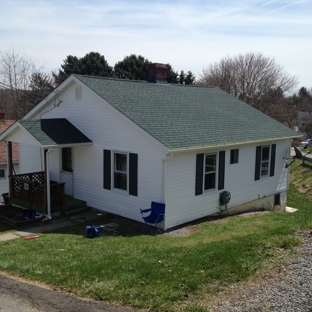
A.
pixel 53 225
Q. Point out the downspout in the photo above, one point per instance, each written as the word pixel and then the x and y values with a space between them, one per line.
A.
pixel 163 195
pixel 49 217
pixel 10 166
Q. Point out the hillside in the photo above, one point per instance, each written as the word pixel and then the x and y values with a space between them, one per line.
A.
pixel 301 176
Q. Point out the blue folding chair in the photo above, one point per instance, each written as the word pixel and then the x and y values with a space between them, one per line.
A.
pixel 155 218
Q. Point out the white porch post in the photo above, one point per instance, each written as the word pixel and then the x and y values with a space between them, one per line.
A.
pixel 49 151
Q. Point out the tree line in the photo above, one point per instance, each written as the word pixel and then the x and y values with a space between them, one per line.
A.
pixel 24 83
pixel 262 83
pixel 253 78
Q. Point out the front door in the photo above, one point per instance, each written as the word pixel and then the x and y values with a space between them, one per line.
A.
pixel 67 170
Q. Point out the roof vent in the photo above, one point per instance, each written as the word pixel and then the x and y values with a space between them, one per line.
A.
pixel 157 73
pixel 78 93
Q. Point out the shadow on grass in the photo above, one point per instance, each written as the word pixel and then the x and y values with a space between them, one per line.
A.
pixel 126 227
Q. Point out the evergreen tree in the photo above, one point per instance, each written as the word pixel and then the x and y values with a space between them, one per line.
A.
pixel 132 67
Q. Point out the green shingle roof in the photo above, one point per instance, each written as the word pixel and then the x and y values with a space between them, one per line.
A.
pixel 181 116
pixel 58 131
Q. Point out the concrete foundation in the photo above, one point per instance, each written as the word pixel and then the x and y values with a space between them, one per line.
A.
pixel 275 202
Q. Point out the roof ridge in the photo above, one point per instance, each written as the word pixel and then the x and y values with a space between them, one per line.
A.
pixel 145 81
pixel 111 78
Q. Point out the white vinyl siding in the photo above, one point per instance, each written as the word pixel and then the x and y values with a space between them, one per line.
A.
pixel 31 158
pixel 183 206
pixel 4 180
pixel 110 130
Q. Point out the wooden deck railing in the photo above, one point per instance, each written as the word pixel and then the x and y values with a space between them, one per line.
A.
pixel 30 188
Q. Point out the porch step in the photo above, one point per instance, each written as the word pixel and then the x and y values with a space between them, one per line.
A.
pixel 74 207
pixel 78 204
pixel 72 211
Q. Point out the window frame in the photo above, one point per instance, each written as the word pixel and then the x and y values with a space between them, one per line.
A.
pixel 211 172
pixel 262 171
pixel 133 172
pixel 200 172
pixel 265 172
pixel 4 176
pixel 114 171
pixel 234 158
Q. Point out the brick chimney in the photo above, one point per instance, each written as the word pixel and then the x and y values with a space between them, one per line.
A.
pixel 2 117
pixel 157 73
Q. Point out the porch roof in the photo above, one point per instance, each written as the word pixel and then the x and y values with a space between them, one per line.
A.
pixel 54 132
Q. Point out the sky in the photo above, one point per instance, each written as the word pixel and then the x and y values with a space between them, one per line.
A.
pixel 189 35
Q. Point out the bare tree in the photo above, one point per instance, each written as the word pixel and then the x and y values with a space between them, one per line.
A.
pixel 250 77
pixel 15 75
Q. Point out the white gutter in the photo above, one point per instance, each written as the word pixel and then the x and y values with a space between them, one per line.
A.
pixel 66 145
pixel 205 147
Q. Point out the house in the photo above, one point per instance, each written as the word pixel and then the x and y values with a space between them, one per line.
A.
pixel 304 118
pixel 120 144
pixel 4 184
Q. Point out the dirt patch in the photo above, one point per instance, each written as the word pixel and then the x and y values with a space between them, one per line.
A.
pixel 13 215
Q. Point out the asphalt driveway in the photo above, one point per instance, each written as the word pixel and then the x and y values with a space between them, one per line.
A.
pixel 17 296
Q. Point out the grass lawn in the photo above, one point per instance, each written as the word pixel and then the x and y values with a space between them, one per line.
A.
pixel 162 272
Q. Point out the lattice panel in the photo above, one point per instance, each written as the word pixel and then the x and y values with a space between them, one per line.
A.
pixel 29 187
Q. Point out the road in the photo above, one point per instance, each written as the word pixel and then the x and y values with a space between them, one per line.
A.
pixel 17 296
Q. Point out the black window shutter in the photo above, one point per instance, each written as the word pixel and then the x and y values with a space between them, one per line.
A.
pixel 133 174
pixel 107 169
pixel 199 174
pixel 221 170
pixel 272 164
pixel 258 163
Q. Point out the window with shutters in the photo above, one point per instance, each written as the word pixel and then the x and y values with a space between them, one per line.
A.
pixel 120 171
pixel 210 172
pixel 265 161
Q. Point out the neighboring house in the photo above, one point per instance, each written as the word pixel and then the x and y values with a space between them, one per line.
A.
pixel 304 118
pixel 4 184
pixel 151 141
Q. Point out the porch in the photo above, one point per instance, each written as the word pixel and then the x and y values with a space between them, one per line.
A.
pixel 29 190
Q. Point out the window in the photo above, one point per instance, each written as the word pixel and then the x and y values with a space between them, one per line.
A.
pixel 265 161
pixel 234 156
pixel 210 172
pixel 2 173
pixel 120 171
pixel 67 159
